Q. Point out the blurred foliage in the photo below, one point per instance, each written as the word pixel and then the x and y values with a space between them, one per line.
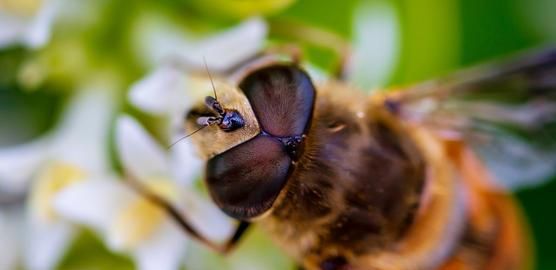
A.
pixel 15 104
pixel 88 252
pixel 239 9
pixel 255 252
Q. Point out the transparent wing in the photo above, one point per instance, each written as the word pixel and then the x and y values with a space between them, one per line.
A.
pixel 506 112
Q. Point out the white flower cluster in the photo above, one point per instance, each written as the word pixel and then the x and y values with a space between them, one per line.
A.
pixel 70 181
pixel 67 175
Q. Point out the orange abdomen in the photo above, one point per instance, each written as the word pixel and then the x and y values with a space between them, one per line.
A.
pixel 496 235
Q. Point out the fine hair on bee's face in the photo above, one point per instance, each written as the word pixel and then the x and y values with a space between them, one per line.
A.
pixel 225 119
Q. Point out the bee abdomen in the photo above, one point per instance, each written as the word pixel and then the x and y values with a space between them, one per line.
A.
pixel 494 238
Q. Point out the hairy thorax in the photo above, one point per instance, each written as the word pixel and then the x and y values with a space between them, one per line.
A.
pixel 355 189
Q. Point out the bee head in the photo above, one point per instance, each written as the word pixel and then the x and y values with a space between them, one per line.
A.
pixel 226 119
pixel 220 123
pixel 254 135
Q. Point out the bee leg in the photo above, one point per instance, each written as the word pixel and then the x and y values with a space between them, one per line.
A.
pixel 181 64
pixel 341 71
pixel 293 51
pixel 318 37
pixel 182 221
pixel 289 53
pixel 239 232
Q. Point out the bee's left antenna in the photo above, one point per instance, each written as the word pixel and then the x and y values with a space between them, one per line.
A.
pixel 186 136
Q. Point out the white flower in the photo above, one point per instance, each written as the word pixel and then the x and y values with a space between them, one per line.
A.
pixel 27 22
pixel 10 238
pixel 163 92
pixel 83 129
pixel 129 222
pixel 74 151
pixel 169 90
pixel 376 44
pixel 160 41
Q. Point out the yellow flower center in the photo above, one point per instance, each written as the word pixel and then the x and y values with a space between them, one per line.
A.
pixel 20 7
pixel 49 182
pixel 140 218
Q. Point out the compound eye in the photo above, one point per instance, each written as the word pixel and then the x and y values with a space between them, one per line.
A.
pixel 282 98
pixel 245 180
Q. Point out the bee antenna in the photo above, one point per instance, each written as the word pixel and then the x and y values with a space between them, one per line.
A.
pixel 210 77
pixel 186 136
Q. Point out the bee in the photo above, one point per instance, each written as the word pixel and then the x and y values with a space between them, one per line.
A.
pixel 400 179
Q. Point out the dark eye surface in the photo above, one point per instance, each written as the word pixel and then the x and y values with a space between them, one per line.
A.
pixel 245 180
pixel 282 98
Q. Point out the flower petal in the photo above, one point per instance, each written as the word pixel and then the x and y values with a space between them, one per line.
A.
pixel 161 41
pixel 46 243
pixel 185 163
pixel 31 30
pixel 205 216
pixel 139 153
pixel 10 226
pixel 39 29
pixel 93 202
pixel 12 29
pixel 164 251
pixel 225 49
pixel 18 163
pixel 161 92
pixel 376 45
pixel 82 135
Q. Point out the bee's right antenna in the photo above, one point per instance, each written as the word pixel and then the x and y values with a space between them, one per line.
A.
pixel 205 121
pixel 210 77
pixel 226 119
pixel 212 102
